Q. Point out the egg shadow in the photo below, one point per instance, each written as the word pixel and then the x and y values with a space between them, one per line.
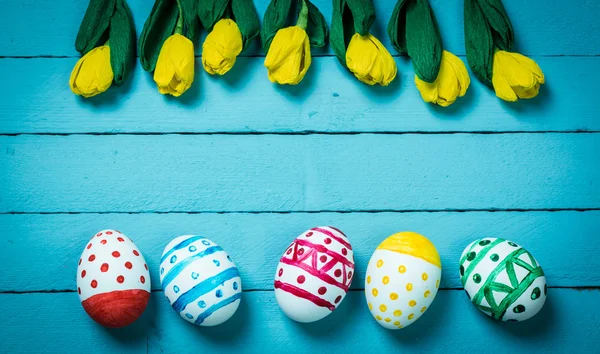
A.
pixel 535 328
pixel 430 324
pixel 335 324
pixel 138 330
pixel 232 330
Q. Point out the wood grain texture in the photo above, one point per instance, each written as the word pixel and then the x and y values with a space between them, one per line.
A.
pixel 192 173
pixel 53 243
pixel 43 27
pixel 330 99
pixel 451 324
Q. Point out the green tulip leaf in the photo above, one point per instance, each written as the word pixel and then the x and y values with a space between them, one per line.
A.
pixel 498 20
pixel 317 26
pixel 275 18
pixel 479 43
pixel 190 17
pixel 246 18
pixel 122 42
pixel 349 17
pixel 423 40
pixel 158 27
pixel 397 27
pixel 94 24
pixel 363 14
pixel 211 11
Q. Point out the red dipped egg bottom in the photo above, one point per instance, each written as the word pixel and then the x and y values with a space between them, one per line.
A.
pixel 117 309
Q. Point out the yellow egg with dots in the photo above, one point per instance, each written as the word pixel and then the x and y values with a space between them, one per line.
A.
pixel 403 278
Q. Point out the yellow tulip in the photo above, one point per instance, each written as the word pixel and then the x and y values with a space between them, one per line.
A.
pixel 174 72
pixel 92 74
pixel 452 82
pixel 288 58
pixel 515 76
pixel 370 62
pixel 221 47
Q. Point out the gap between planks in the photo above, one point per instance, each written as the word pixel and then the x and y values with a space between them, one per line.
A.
pixel 314 132
pixel 374 211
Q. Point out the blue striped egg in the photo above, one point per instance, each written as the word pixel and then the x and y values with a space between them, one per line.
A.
pixel 200 280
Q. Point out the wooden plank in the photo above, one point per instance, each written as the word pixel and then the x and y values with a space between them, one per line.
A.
pixel 330 100
pixel 216 173
pixel 41 27
pixel 451 324
pixel 43 250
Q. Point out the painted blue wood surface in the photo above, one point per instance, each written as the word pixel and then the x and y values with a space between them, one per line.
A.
pixel 534 160
pixel 567 323
pixel 258 173
pixel 257 241
pixel 330 99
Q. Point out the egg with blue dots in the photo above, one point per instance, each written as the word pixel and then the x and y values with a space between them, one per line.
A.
pixel 502 279
pixel 402 279
pixel 200 280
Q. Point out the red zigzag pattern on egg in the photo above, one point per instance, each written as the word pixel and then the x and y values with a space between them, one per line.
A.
pixel 321 253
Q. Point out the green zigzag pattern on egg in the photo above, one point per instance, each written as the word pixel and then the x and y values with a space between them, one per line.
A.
pixel 515 271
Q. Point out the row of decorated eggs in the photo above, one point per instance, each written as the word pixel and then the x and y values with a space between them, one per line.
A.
pixel 203 284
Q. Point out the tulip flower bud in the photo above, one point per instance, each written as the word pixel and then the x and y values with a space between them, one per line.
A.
pixel 288 58
pixel 515 76
pixel 174 72
pixel 221 47
pixel 92 74
pixel 369 61
pixel 452 82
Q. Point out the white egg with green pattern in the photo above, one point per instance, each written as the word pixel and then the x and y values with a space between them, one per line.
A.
pixel 502 279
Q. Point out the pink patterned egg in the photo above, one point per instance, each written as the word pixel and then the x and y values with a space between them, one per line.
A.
pixel 113 281
pixel 314 274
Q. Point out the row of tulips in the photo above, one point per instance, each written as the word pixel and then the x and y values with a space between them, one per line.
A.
pixel 290 28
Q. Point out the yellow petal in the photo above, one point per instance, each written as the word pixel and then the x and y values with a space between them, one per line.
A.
pixel 514 73
pixel 460 70
pixel 73 77
pixel 174 72
pixel 502 88
pixel 221 47
pixel 370 61
pixel 288 58
pixel 92 73
pixel 428 90
pixel 360 57
pixel 515 76
pixel 530 93
pixel 530 65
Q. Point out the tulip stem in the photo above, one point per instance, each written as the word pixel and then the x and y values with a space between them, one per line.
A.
pixel 179 25
pixel 303 16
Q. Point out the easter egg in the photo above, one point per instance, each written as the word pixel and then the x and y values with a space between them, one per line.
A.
pixel 314 274
pixel 113 280
pixel 200 280
pixel 502 279
pixel 403 277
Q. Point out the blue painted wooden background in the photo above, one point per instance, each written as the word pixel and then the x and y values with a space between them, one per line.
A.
pixel 252 165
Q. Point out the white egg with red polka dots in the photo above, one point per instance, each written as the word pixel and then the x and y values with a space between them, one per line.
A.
pixel 113 281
